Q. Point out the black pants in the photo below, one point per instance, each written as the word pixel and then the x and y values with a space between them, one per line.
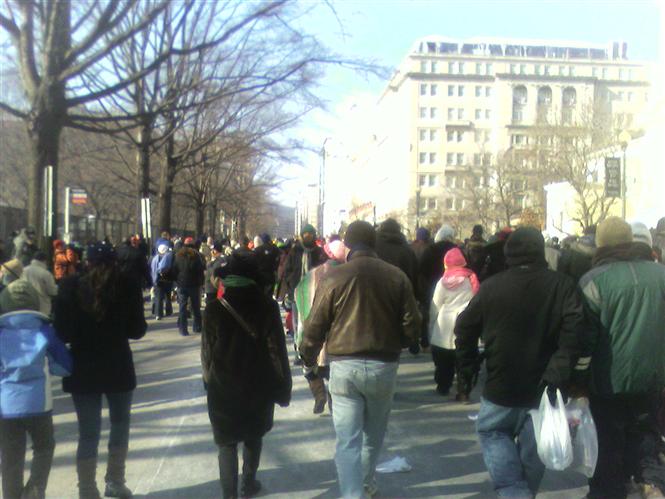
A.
pixel 228 465
pixel 628 440
pixel 13 443
pixel 163 299
pixel 444 368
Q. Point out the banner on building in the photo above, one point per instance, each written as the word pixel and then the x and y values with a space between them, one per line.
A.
pixel 79 196
pixel 613 177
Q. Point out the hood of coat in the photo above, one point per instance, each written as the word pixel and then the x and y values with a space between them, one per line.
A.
pixel 187 252
pixel 23 319
pixel 396 238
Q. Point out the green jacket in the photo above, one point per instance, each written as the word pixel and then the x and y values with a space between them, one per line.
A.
pixel 626 304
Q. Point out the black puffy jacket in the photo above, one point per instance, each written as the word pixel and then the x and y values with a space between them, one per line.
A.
pixel 188 268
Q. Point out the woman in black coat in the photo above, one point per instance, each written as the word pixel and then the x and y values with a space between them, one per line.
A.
pixel 238 370
pixel 97 313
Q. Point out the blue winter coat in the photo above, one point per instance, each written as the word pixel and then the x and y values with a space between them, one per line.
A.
pixel 160 264
pixel 29 353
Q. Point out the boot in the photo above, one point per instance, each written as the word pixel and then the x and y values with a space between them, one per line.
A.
pixel 115 474
pixel 318 390
pixel 86 469
pixel 250 487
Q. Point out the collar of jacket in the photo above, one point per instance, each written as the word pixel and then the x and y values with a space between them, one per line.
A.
pixel 626 252
pixel 359 253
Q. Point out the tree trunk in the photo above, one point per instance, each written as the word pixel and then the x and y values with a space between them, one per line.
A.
pixel 200 212
pixel 166 186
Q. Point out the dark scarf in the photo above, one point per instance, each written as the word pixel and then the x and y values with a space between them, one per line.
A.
pixel 625 252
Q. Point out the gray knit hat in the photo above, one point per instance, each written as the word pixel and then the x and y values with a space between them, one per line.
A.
pixel 19 295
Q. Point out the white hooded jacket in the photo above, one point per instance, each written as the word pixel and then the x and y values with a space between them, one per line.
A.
pixel 446 305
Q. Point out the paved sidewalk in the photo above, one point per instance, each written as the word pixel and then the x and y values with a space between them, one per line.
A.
pixel 172 454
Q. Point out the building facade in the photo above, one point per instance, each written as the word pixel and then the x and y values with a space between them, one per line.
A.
pixel 455 109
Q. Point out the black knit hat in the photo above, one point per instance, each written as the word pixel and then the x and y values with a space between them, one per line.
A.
pixel 525 246
pixel 242 262
pixel 360 233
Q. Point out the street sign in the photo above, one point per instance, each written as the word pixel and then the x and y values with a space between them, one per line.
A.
pixel 613 177
pixel 79 196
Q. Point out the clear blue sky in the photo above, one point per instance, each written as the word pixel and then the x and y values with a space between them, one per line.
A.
pixel 385 31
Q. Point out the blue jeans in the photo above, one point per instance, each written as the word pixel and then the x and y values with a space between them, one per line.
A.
pixel 362 391
pixel 509 449
pixel 89 414
pixel 192 295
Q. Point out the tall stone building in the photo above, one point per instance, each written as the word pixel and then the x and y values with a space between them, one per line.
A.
pixel 455 109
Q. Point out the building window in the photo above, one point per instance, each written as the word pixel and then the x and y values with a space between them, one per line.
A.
pixel 513 69
pixel 450 181
pixel 487 159
pixel 451 113
pixel 422 134
pixel 432 135
pixel 479 68
pixel 460 68
pixel 422 180
pixel 518 139
pixel 449 203
pixel 630 96
pixel 488 68
pixel 479 114
pixel 422 158
pixel 488 114
pixel 451 68
pixel 569 97
pixel 460 114
pixel 460 136
pixel 451 136
pixel 620 96
pixel 594 72
pixel 423 66
pixel 423 89
pixel 519 103
pixel 488 91
pixel 460 90
pixel 562 70
pixel 536 69
pixel 450 158
pixel 460 158
pixel 476 159
pixel 621 74
pixel 433 66
pixel 547 70
pixel 423 112
pixel 630 74
pixel 459 204
pixel 433 89
pixel 432 157
pixel 522 69
pixel 432 112
pixel 604 73
pixel 479 91
pixel 451 90
pixel 571 70
pixel 433 180
pixel 431 203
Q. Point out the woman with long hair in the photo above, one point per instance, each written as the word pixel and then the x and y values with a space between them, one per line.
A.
pixel 97 313
pixel 243 352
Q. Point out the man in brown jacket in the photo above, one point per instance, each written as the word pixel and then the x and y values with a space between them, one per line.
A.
pixel 367 312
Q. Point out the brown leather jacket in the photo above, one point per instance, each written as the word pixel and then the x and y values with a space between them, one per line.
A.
pixel 363 309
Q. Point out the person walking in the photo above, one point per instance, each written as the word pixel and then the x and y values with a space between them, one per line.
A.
pixel 30 353
pixel 133 262
pixel 625 295
pixel 365 311
pixel 452 294
pixel 392 247
pixel 188 273
pixel 160 272
pixel 532 322
pixel 97 314
pixel 42 280
pixel 238 371
pixel 475 249
pixel 62 266
pixel 268 257
pixel 217 259
pixel 304 297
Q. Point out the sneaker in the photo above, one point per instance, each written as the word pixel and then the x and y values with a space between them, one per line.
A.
pixel 158 318
pixel 250 488
pixel 117 490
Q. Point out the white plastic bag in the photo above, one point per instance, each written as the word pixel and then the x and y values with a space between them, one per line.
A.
pixel 583 435
pixel 550 427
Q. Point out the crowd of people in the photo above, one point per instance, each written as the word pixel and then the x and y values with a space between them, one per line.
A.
pixel 584 316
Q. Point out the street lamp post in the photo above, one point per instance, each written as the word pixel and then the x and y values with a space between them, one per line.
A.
pixel 624 139
pixel 417 208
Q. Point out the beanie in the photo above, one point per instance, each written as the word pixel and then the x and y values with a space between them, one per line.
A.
pixel 446 233
pixel 189 241
pixel 390 225
pixel 241 262
pixel 360 233
pixel 258 241
pixel 19 295
pixel 162 249
pixel 525 246
pixel 613 231
pixel 265 237
pixel 422 234
pixel 309 228
pixel 641 233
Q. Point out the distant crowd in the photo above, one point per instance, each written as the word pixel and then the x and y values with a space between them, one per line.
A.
pixel 583 317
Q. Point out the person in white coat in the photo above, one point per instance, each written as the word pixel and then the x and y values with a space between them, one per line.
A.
pixel 42 280
pixel 451 296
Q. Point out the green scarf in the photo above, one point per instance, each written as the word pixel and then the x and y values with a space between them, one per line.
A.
pixel 237 281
